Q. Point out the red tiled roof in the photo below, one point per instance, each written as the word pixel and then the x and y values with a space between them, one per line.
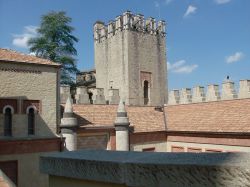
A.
pixel 220 116
pixel 13 56
pixel 143 119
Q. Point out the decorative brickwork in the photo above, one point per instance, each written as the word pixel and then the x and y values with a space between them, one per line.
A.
pixel 35 103
pixel 20 70
pixel 11 102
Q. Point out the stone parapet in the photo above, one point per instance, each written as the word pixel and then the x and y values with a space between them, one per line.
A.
pixel 114 97
pixel 128 21
pixel 148 169
pixel 64 93
pixel 98 96
pixel 82 96
pixel 213 93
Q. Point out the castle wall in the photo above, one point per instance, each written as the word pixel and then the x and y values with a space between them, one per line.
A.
pixel 111 64
pixel 147 61
pixel 24 82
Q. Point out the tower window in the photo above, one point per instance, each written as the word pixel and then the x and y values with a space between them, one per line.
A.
pixel 145 92
pixel 8 111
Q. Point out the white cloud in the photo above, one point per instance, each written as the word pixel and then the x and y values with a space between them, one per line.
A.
pixel 168 1
pixel 222 1
pixel 235 57
pixel 190 10
pixel 157 5
pixel 181 67
pixel 21 40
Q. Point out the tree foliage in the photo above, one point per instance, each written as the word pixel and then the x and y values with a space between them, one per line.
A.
pixel 56 43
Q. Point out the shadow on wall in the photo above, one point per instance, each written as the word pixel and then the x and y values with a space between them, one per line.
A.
pixel 27 118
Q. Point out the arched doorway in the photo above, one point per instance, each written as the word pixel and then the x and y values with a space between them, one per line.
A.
pixel 145 92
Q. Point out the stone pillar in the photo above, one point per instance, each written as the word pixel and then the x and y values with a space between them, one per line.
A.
pixel 198 94
pixel 68 127
pixel 122 128
pixel 213 93
pixel 186 96
pixel 114 97
pixel 98 96
pixel 174 97
pixel 228 91
pixel 82 96
pixel 64 93
pixel 244 91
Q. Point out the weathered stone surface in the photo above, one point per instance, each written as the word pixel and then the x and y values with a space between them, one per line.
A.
pixel 151 169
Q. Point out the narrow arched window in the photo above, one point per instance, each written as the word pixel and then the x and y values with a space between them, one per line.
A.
pixel 145 92
pixel 7 121
pixel 90 97
pixel 31 121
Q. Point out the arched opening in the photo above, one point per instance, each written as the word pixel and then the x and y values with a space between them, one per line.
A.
pixel 8 122
pixel 90 97
pixel 31 121
pixel 145 92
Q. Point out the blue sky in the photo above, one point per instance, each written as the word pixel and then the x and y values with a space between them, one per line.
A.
pixel 206 39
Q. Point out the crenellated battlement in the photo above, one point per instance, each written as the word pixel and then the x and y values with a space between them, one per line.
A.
pixel 213 93
pixel 128 21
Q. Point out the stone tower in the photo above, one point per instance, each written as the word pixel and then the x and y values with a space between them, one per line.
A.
pixel 130 55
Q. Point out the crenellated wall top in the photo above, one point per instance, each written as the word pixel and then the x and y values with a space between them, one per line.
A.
pixel 212 93
pixel 128 21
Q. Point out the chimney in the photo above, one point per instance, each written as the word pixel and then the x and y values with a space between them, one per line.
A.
pixel 244 91
pixel 198 94
pixel 228 91
pixel 174 97
pixel 186 96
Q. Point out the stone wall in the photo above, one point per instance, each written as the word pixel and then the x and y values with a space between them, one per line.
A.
pixel 31 82
pixel 125 51
pixel 148 169
pixel 213 93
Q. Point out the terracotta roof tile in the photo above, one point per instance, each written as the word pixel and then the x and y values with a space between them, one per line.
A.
pixel 143 119
pixel 220 116
pixel 10 55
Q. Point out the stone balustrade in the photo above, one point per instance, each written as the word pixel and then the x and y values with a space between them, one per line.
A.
pixel 198 94
pixel 123 168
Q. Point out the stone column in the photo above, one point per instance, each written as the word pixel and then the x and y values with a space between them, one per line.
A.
pixel 122 128
pixel 68 127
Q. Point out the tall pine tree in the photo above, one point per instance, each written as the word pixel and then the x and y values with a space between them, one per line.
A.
pixel 56 43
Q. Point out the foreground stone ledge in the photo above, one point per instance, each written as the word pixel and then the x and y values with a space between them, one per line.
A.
pixel 150 169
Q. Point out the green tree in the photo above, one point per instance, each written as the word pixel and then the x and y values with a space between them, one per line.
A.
pixel 56 43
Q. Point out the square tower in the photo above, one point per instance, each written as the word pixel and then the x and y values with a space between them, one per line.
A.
pixel 130 55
